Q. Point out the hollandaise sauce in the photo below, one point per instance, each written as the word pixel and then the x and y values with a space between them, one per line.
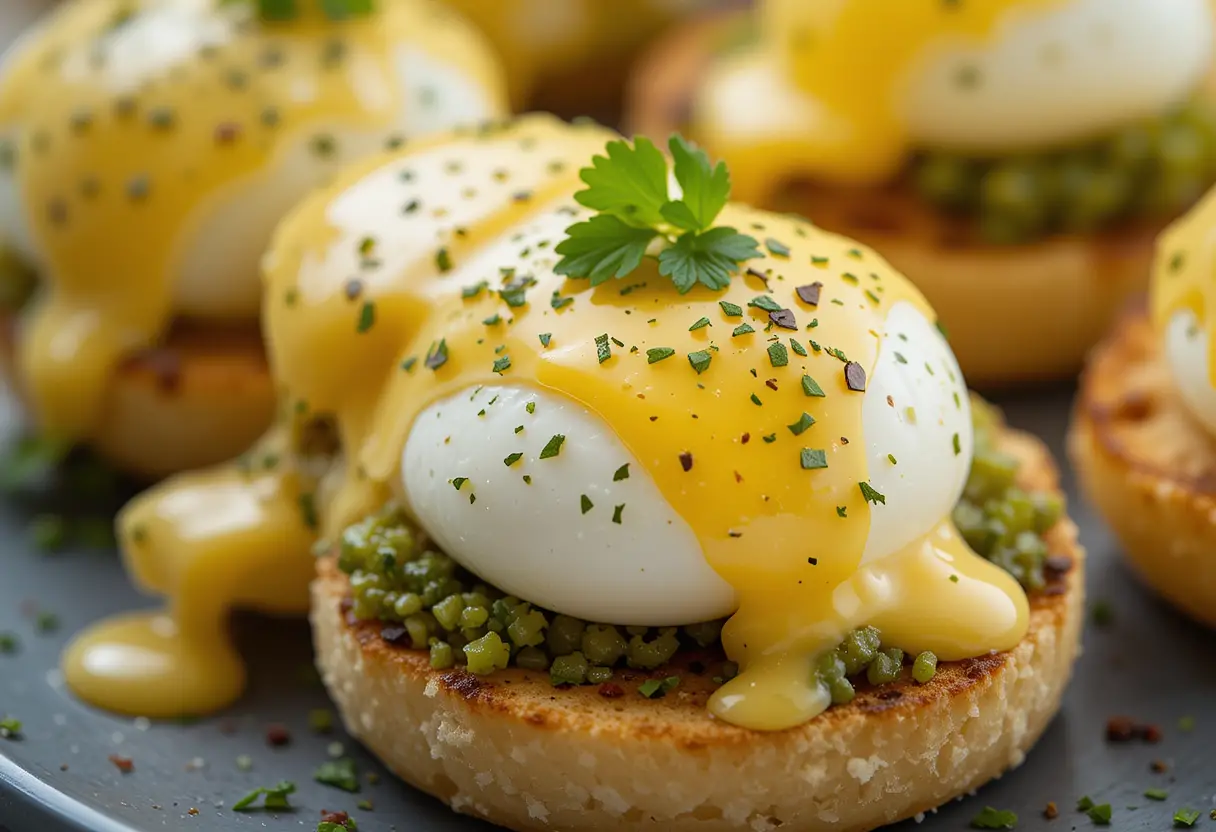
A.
pixel 847 72
pixel 431 273
pixel 124 121
pixel 1182 273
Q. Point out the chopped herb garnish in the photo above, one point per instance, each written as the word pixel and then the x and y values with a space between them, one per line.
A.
pixel 777 248
pixel 46 622
pixel 990 818
pixel 530 407
pixel 656 688
pixel 804 422
pixel 657 354
pixel 778 355
pixel 703 322
pixel 854 376
pixel 1100 814
pixel 621 473
pixel 730 310
pixel 443 260
pixel 1085 803
pixel 743 329
pixel 340 774
pixel 700 360
pixel 764 302
pixel 553 447
pixel 559 302
pixel 602 351
pixel 10 728
pixel 273 798
pixel 545 338
pixel 437 355
pixel 501 365
pixel 493 320
pixel 870 494
pixel 756 400
pixel 1185 817
pixel 809 294
pixel 512 459
pixel 811 387
pixel 812 458
pixel 769 438
pixel 842 511
pixel 1156 794
pixel 474 290
pixel 798 348
pixel 628 189
pixel 8 643
pixel 958 447
pixel 458 482
pixel 585 503
pixel 616 513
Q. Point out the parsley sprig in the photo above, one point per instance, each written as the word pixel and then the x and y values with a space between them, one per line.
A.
pixel 637 218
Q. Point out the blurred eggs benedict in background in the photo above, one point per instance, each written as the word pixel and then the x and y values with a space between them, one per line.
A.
pixel 513 405
pixel 572 56
pixel 1014 157
pixel 1144 427
pixel 147 149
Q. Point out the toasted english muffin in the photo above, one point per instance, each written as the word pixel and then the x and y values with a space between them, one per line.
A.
pixel 200 398
pixel 1148 466
pixel 1014 313
pixel 513 749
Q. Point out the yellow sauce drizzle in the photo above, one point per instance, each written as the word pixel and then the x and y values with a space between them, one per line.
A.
pixel 491 206
pixel 849 58
pixel 113 176
pixel 1182 272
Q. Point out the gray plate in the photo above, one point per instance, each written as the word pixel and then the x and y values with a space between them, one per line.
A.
pixel 58 778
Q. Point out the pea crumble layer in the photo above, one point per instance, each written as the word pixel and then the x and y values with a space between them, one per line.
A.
pixel 1146 170
pixel 427 601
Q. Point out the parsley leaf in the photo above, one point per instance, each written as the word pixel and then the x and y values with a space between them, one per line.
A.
pixel 340 774
pixel 629 183
pixel 710 257
pixel 601 248
pixel 629 189
pixel 273 798
pixel 705 188
pixel 990 818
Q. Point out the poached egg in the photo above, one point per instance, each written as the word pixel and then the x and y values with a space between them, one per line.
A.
pixel 853 86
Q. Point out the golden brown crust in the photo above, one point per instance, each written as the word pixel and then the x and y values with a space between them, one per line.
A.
pixel 515 750
pixel 1014 313
pixel 200 398
pixel 1148 466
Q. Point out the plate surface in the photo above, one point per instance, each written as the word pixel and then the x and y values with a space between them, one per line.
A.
pixel 1148 664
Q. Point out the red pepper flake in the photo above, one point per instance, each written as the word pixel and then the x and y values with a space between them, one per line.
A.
pixel 855 377
pixel 783 318
pixel 810 293
pixel 610 690
pixel 1125 729
pixel 1051 812
pixel 745 438
pixel 686 461
pixel 227 132
pixel 771 383
pixel 277 735
pixel 1159 766
pixel 339 818
pixel 124 764
pixel 759 275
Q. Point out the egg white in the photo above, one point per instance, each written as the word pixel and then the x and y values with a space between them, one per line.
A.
pixel 1186 353
pixel 534 541
pixel 218 273
pixel 1055 75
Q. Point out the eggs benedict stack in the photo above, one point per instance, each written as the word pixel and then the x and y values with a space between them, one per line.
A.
pixel 147 148
pixel 1142 437
pixel 615 500
pixel 572 56
pixel 1015 158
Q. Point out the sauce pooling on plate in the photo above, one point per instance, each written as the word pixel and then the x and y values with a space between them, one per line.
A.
pixel 426 276
pixel 133 130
